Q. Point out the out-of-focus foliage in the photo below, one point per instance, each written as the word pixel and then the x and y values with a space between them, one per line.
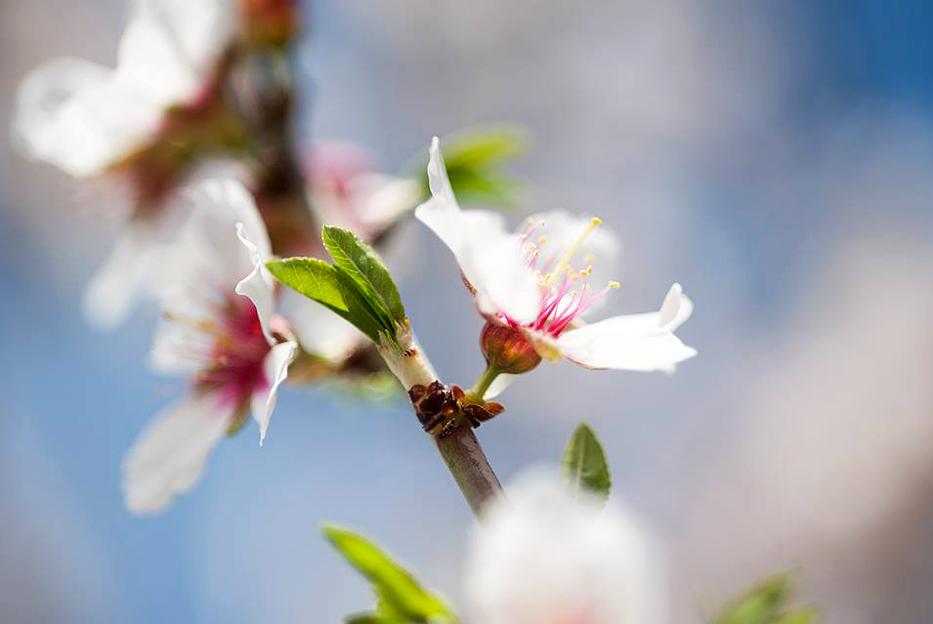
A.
pixel 474 159
pixel 584 463
pixel 400 597
pixel 767 603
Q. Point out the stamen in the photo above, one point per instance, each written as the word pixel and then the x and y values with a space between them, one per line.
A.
pixel 575 246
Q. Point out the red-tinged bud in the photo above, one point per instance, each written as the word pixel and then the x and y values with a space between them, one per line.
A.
pixel 270 22
pixel 508 350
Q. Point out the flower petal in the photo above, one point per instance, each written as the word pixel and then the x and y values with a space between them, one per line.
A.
pixel 258 286
pixel 499 385
pixel 132 270
pixel 544 555
pixel 559 231
pixel 71 114
pixel 639 342
pixel 276 368
pixel 489 258
pixel 320 331
pixel 169 48
pixel 169 455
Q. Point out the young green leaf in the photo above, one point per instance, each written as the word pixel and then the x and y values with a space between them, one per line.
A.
pixel 584 463
pixel 766 603
pixel 759 605
pixel 474 158
pixel 805 615
pixel 326 285
pixel 402 599
pixel 361 262
pixel 485 145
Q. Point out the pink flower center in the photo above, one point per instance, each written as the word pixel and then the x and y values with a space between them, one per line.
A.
pixel 236 350
pixel 565 291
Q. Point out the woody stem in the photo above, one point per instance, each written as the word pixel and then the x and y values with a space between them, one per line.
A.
pixel 467 462
pixel 458 446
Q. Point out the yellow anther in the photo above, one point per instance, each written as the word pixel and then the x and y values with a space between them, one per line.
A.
pixel 542 240
pixel 613 284
pixel 586 272
pixel 204 325
pixel 589 258
pixel 575 246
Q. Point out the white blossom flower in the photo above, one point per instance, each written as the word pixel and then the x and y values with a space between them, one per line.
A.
pixel 84 118
pixel 545 556
pixel 140 123
pixel 528 281
pixel 220 328
pixel 345 190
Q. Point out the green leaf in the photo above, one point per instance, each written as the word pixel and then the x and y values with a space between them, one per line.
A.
pixel 805 615
pixel 760 605
pixel 484 145
pixel 401 598
pixel 367 618
pixel 361 262
pixel 474 158
pixel 326 285
pixel 584 463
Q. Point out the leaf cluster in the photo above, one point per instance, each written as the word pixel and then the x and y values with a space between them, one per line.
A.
pixel 357 285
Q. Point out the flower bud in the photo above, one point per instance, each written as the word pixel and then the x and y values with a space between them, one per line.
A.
pixel 270 22
pixel 508 350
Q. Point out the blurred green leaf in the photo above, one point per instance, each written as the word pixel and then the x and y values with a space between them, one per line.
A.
pixel 484 145
pixel 366 268
pixel 805 615
pixel 584 463
pixel 766 603
pixel 401 599
pixel 474 158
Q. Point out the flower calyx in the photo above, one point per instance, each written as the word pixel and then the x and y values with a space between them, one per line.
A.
pixel 507 349
pixel 441 409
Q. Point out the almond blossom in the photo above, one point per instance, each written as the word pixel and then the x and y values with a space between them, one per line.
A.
pixel 144 123
pixel 546 556
pixel 346 191
pixel 541 281
pixel 220 328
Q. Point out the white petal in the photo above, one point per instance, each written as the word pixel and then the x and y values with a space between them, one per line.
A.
pixel 489 257
pixel 639 342
pixel 499 385
pixel 437 174
pixel 558 231
pixel 169 48
pixel 71 114
pixel 169 455
pixel 543 556
pixel 207 264
pixel 258 286
pixel 320 331
pixel 138 267
pixel 369 205
pixel 209 255
pixel 276 369
pixel 675 309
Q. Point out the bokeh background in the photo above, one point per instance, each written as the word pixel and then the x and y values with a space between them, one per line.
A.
pixel 774 157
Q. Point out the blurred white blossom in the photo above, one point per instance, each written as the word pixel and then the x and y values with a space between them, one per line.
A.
pixel 142 124
pixel 546 556
pixel 220 328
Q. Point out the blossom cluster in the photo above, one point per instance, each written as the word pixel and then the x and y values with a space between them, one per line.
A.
pixel 192 124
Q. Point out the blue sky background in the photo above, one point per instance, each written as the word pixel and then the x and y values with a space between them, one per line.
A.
pixel 740 148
